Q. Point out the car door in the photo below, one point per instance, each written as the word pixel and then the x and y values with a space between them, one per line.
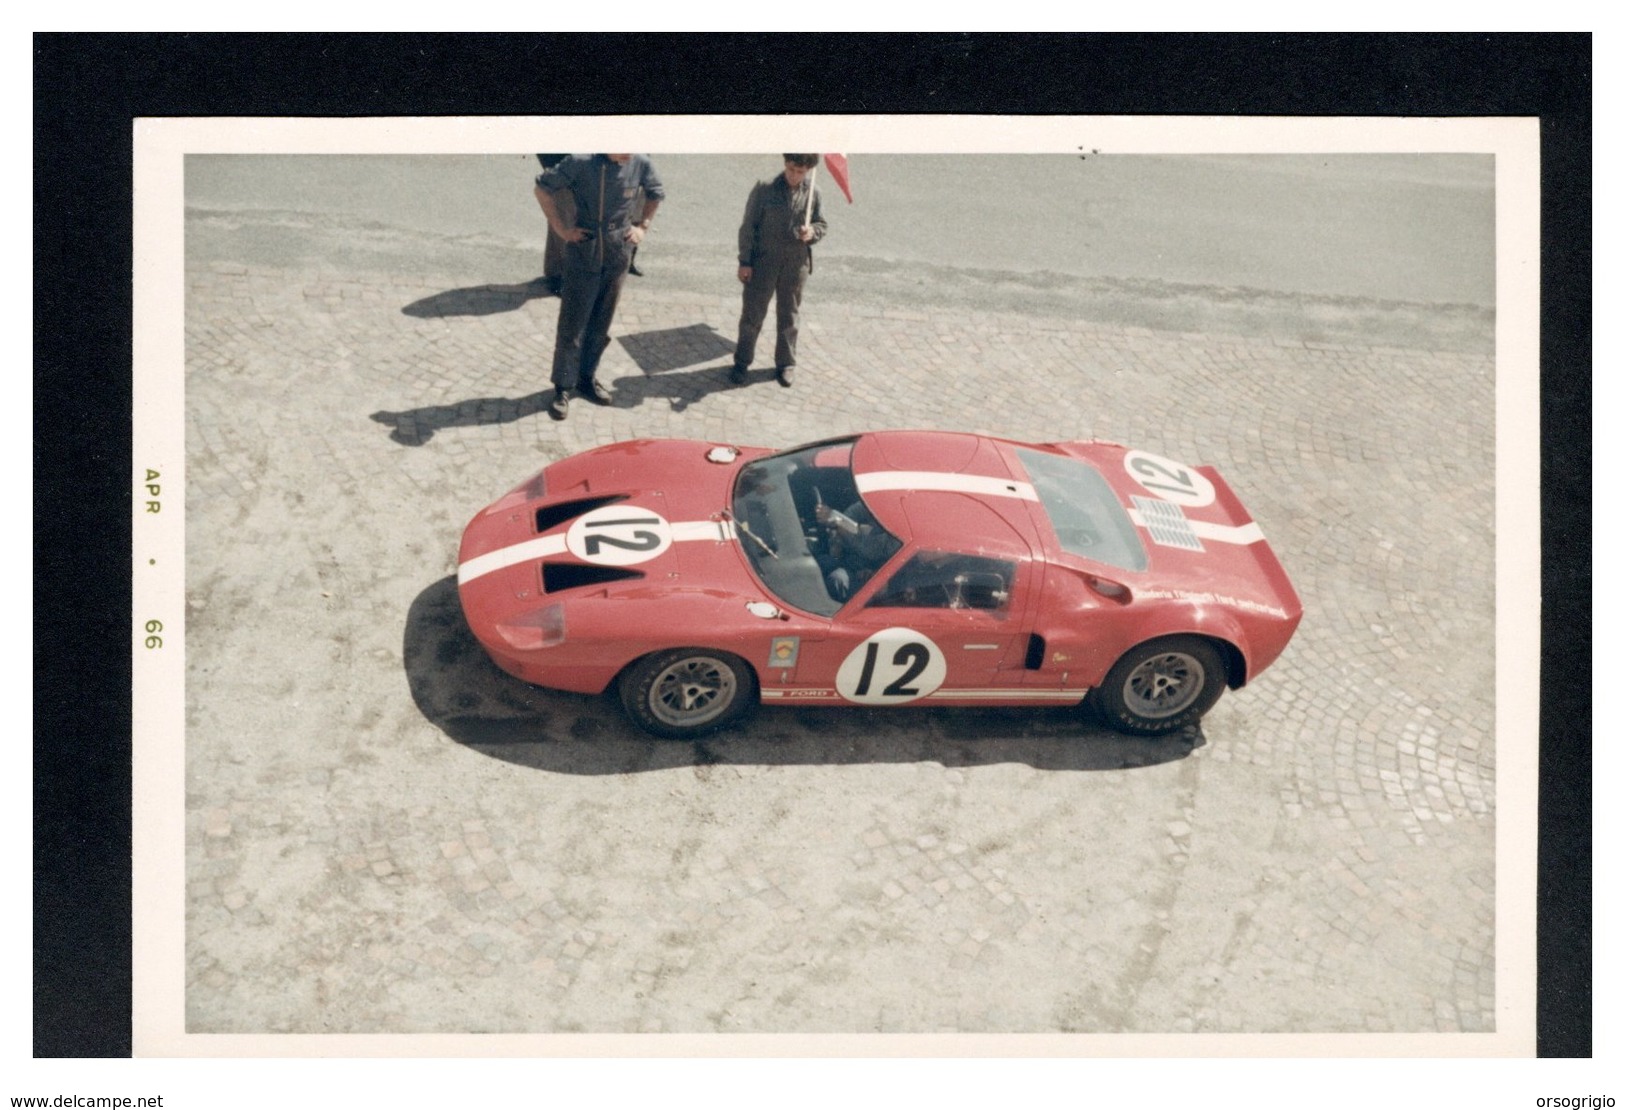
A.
pixel 936 626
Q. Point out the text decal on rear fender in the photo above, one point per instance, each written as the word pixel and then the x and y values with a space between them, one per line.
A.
pixel 894 665
pixel 1169 480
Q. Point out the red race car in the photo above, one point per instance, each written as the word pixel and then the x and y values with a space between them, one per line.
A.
pixel 892 568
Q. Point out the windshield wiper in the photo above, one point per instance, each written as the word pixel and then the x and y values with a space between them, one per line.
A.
pixel 744 530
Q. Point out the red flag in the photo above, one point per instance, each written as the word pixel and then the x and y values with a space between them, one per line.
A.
pixel 837 170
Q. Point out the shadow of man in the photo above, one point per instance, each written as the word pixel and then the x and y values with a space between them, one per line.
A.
pixel 671 360
pixel 415 427
pixel 658 352
pixel 478 300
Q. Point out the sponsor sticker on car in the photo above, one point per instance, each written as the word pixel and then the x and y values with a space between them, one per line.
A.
pixel 784 650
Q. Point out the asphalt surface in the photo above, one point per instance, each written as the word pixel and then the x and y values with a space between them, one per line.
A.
pixel 386 834
pixel 1373 249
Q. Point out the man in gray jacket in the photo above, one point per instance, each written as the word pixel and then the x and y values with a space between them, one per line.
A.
pixel 783 219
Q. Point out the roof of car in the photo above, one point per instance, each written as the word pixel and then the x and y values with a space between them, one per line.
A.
pixel 952 491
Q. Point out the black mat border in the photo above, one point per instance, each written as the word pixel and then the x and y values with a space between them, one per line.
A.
pixel 88 89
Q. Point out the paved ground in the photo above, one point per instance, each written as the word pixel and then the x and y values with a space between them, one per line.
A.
pixel 387 834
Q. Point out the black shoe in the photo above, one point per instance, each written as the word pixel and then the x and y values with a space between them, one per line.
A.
pixel 737 375
pixel 786 375
pixel 634 271
pixel 559 407
pixel 594 392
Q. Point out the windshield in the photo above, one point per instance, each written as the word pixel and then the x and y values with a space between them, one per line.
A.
pixel 1085 513
pixel 808 535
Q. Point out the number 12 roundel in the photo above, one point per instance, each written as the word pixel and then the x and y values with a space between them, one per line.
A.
pixel 618 536
pixel 894 665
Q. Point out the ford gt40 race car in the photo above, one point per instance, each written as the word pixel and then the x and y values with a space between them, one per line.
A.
pixel 891 568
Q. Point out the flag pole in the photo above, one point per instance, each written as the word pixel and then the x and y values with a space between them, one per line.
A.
pixel 812 180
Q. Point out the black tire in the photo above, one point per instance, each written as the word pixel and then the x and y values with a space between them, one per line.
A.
pixel 1161 686
pixel 688 692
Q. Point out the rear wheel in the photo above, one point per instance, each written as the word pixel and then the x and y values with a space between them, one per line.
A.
pixel 688 692
pixel 1161 686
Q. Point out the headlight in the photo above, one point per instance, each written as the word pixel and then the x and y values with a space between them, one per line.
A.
pixel 539 628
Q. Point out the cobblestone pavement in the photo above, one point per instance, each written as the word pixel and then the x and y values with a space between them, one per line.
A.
pixel 386 834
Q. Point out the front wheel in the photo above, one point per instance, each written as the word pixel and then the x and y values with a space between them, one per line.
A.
pixel 1161 686
pixel 688 692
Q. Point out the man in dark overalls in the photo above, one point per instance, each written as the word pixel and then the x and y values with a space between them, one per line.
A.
pixel 609 225
pixel 775 259
pixel 552 278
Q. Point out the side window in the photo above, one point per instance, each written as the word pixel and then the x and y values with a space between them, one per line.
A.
pixel 944 580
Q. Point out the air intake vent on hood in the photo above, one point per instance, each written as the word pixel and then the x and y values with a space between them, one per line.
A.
pixel 571 576
pixel 551 516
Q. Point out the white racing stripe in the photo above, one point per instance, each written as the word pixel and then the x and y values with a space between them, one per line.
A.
pixel 1219 533
pixel 786 693
pixel 1007 694
pixel 953 483
pixel 717 531
pixel 539 548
